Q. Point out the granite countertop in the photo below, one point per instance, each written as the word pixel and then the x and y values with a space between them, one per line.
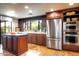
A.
pixel 22 33
pixel 15 34
pixel 36 32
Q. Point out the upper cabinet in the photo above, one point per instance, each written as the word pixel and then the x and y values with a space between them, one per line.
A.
pixel 54 15
pixel 71 13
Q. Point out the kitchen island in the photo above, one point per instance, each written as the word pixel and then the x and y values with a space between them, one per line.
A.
pixel 15 43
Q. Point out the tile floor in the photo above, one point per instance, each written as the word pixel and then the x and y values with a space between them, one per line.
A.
pixel 37 50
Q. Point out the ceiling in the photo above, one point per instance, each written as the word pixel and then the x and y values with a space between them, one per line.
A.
pixel 37 8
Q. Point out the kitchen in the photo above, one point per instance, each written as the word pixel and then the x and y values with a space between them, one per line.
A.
pixel 51 31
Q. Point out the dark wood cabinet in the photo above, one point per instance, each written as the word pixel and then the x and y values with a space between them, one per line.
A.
pixel 71 47
pixel 15 44
pixel 39 39
pixel 33 38
pixel 44 40
pixel 22 44
pixel 4 42
pixel 29 38
pixel 9 43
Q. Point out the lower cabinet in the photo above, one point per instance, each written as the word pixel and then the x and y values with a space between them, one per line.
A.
pixel 22 45
pixel 15 44
pixel 33 38
pixel 9 43
pixel 39 39
pixel 4 42
pixel 71 47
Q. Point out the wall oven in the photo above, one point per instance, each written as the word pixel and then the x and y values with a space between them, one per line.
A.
pixel 71 39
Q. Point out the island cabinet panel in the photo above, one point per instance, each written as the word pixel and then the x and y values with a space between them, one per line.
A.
pixel 9 43
pixel 4 42
pixel 15 44
pixel 22 44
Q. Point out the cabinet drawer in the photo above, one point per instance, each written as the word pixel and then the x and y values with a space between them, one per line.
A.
pixel 71 47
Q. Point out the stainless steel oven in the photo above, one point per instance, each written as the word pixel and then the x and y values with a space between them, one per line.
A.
pixel 71 38
pixel 71 26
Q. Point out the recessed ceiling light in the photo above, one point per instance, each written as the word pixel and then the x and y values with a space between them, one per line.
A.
pixel 26 7
pixel 71 4
pixel 30 12
pixel 51 9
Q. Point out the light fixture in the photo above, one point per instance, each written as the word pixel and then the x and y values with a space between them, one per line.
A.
pixel 71 4
pixel 26 7
pixel 51 9
pixel 30 12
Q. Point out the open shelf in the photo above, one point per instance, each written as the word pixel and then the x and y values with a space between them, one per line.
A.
pixel 71 16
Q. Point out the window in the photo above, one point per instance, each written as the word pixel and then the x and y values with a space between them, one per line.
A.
pixel 33 25
pixel 6 24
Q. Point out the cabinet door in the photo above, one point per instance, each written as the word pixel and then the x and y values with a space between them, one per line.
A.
pixel 0 39
pixel 44 40
pixel 29 38
pixel 33 38
pixel 71 47
pixel 4 42
pixel 9 43
pixel 22 44
pixel 39 39
pixel 15 44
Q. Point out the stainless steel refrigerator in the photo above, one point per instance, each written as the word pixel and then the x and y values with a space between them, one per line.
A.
pixel 54 34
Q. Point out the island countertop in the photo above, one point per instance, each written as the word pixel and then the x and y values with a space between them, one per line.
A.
pixel 21 33
pixel 14 34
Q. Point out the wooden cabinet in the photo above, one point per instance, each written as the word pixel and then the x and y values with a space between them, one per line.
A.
pixel 15 44
pixel 29 38
pixel 44 40
pixel 71 47
pixel 33 38
pixel 4 42
pixel 39 39
pixel 22 44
